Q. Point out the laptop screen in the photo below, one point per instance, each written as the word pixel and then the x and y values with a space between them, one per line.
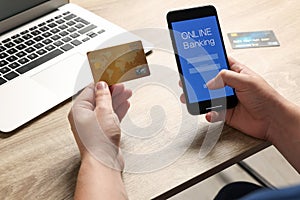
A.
pixel 9 8
pixel 14 13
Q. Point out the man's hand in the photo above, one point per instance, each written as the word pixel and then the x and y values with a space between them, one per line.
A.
pixel 99 108
pixel 257 100
pixel 94 120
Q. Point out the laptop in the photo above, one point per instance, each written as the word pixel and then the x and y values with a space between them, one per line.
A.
pixel 43 45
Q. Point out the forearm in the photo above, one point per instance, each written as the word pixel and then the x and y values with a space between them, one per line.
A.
pixel 97 181
pixel 284 132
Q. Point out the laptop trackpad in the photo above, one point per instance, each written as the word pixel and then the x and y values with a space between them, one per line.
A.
pixel 66 77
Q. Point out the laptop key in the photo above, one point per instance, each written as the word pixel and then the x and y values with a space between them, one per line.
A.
pixel 15 36
pixel 4 70
pixel 87 29
pixel 12 58
pixel 47 34
pixel 6 40
pixel 24 32
pixel 2 48
pixel 82 21
pixel 50 47
pixel 70 23
pixel 62 27
pixel 32 56
pixel 21 46
pixel 42 24
pixel 60 21
pixel 14 65
pixel 52 25
pixel 71 16
pixel 33 28
pixel 39 61
pixel 63 33
pixel 27 36
pixel 58 43
pixel 2 81
pixel 18 41
pixel 38 45
pixel 74 35
pixel 9 44
pixel 12 51
pixel 55 37
pixel 72 29
pixel 23 60
pixel 11 75
pixel 41 51
pixel 76 42
pixel 101 31
pixel 3 63
pixel 92 34
pixel 21 54
pixel 85 39
pixel 66 39
pixel 67 47
pixel 30 49
pixel 44 28
pixel 35 33
pixel 57 17
pixel 3 55
pixel 66 13
pixel 38 38
pixel 50 20
pixel 56 30
pixel 29 42
pixel 47 41
pixel 79 26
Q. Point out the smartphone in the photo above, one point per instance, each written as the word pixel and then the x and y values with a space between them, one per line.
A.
pixel 200 55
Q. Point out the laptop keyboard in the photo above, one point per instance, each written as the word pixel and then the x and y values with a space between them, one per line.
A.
pixel 39 44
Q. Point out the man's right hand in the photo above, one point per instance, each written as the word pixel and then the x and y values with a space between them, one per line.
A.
pixel 257 100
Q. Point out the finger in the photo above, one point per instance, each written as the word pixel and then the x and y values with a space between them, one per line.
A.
pixel 87 95
pixel 103 99
pixel 214 116
pixel 238 67
pixel 223 115
pixel 182 98
pixel 235 65
pixel 121 98
pixel 122 110
pixel 233 61
pixel 116 89
pixel 180 83
pixel 227 77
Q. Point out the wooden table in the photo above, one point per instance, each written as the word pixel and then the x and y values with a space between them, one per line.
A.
pixel 41 161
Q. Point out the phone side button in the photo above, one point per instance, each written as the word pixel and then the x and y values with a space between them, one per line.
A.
pixel 214 107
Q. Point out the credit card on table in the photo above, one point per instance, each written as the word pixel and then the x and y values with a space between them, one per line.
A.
pixel 241 40
pixel 119 63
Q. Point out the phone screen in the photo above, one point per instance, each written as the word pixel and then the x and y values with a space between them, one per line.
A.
pixel 201 54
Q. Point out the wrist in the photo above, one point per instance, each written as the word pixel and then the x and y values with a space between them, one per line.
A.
pixel 96 180
pixel 91 164
pixel 284 118
pixel 104 161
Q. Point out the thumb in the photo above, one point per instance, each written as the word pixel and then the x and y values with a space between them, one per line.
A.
pixel 227 77
pixel 103 98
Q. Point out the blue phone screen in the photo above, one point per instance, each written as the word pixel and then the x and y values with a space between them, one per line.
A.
pixel 201 56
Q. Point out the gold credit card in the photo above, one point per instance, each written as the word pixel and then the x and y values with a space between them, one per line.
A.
pixel 119 63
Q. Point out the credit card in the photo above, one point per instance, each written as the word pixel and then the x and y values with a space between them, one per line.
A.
pixel 119 63
pixel 243 40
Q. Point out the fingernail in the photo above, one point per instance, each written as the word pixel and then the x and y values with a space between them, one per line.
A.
pixel 101 85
